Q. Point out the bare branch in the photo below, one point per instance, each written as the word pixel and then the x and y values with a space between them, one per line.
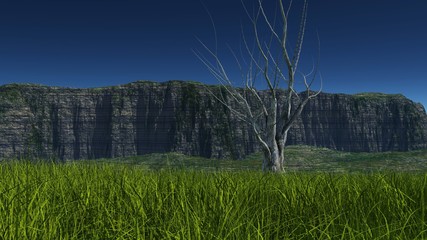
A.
pixel 300 40
pixel 239 115
pixel 253 60
pixel 213 25
pixel 273 32
pixel 285 37
pixel 320 89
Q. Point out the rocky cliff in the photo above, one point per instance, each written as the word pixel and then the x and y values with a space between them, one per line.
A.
pixel 145 117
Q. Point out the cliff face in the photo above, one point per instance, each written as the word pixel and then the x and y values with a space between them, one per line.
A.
pixel 146 117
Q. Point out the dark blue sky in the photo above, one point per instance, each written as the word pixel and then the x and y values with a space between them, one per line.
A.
pixel 366 45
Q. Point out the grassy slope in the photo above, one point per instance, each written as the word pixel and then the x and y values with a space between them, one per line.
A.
pixel 299 158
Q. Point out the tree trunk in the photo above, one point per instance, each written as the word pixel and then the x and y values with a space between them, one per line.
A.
pixel 273 162
pixel 274 159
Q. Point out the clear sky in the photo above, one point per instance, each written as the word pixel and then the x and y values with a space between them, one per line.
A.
pixel 366 45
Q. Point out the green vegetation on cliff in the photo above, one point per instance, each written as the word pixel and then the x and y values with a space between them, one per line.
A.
pixel 376 95
pixel 11 93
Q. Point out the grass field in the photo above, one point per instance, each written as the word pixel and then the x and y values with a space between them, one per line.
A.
pixel 324 195
pixel 299 159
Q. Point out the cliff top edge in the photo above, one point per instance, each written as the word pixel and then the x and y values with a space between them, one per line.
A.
pixel 17 86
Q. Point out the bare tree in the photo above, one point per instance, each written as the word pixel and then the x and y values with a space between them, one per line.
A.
pixel 268 59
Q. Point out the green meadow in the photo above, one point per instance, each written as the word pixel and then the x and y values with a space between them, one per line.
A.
pixel 324 194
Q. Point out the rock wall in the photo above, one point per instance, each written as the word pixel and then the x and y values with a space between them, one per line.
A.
pixel 145 117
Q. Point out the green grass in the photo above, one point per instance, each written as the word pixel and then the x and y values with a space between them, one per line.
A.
pixel 172 196
pixel 298 159
pixel 113 201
